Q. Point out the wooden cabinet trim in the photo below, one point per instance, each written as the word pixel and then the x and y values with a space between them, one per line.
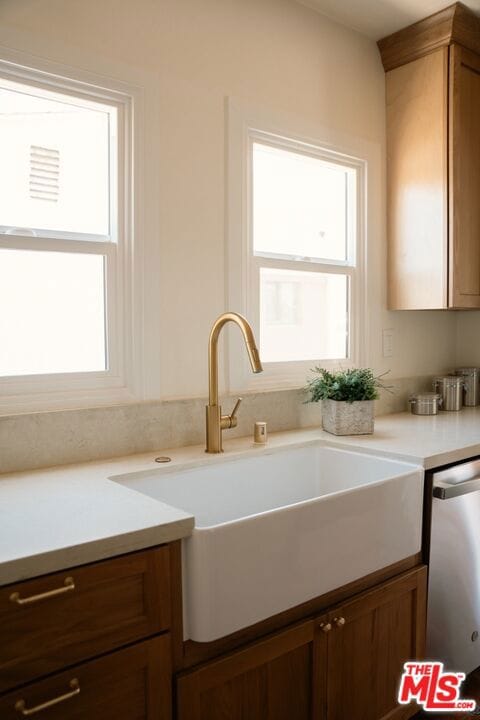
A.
pixel 421 612
pixel 454 24
pixel 177 604
pixel 320 670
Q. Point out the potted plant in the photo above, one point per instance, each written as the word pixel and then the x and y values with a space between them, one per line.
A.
pixel 347 399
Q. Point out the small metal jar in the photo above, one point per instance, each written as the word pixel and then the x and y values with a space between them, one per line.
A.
pixel 450 388
pixel 427 403
pixel 471 380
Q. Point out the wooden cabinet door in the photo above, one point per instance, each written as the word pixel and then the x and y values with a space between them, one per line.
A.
pixel 60 619
pixel 464 180
pixel 279 678
pixel 382 629
pixel 417 199
pixel 129 684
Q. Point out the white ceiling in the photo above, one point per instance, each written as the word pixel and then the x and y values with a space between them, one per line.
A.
pixel 377 18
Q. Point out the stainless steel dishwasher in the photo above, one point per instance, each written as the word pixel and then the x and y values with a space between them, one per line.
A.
pixel 453 620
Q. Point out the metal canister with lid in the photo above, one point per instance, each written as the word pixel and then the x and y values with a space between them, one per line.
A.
pixel 427 403
pixel 471 380
pixel 450 388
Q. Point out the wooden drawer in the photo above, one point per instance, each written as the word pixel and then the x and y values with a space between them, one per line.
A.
pixel 110 604
pixel 130 684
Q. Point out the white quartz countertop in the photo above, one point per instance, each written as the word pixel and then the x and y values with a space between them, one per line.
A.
pixel 427 440
pixel 61 517
pixel 66 516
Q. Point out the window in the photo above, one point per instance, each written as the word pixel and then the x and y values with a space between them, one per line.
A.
pixel 295 247
pixel 302 252
pixel 64 245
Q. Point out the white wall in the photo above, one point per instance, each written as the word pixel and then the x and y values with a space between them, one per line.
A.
pixel 189 55
pixel 468 339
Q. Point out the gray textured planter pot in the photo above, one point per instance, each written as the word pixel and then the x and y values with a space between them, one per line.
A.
pixel 344 418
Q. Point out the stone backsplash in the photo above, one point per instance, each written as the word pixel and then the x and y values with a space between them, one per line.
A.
pixel 43 439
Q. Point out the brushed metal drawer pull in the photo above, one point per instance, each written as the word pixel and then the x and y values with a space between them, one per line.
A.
pixel 68 586
pixel 20 705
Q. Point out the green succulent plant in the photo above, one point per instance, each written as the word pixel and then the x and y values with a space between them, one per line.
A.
pixel 346 385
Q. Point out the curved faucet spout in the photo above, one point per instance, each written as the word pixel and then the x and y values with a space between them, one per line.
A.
pixel 216 422
pixel 250 343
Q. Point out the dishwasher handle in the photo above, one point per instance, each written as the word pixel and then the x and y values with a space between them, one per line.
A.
pixel 445 491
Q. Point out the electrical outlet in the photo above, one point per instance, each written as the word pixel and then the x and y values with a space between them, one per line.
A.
pixel 388 342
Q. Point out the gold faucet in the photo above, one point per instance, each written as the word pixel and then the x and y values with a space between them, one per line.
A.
pixel 216 422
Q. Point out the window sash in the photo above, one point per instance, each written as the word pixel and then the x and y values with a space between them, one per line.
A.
pixel 253 304
pixel 113 326
pixel 117 127
pixel 322 154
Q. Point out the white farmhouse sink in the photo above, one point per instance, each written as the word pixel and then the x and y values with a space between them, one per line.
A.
pixel 275 530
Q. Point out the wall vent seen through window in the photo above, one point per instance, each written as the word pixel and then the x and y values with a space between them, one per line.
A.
pixel 44 173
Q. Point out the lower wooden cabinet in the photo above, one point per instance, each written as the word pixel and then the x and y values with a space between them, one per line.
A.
pixel 272 679
pixel 371 637
pixel 344 665
pixel 62 619
pixel 129 684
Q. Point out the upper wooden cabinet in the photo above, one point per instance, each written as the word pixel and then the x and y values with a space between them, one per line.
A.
pixel 433 162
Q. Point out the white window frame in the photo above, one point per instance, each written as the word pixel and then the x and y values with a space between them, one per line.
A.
pixel 244 127
pixel 122 380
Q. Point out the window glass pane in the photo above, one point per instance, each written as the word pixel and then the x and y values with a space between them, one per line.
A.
pixel 303 315
pixel 55 162
pixel 52 312
pixel 300 205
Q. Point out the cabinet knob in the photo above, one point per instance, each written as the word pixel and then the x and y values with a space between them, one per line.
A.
pixel 339 621
pixel 325 627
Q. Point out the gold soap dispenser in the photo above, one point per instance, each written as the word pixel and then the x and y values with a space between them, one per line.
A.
pixel 260 433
